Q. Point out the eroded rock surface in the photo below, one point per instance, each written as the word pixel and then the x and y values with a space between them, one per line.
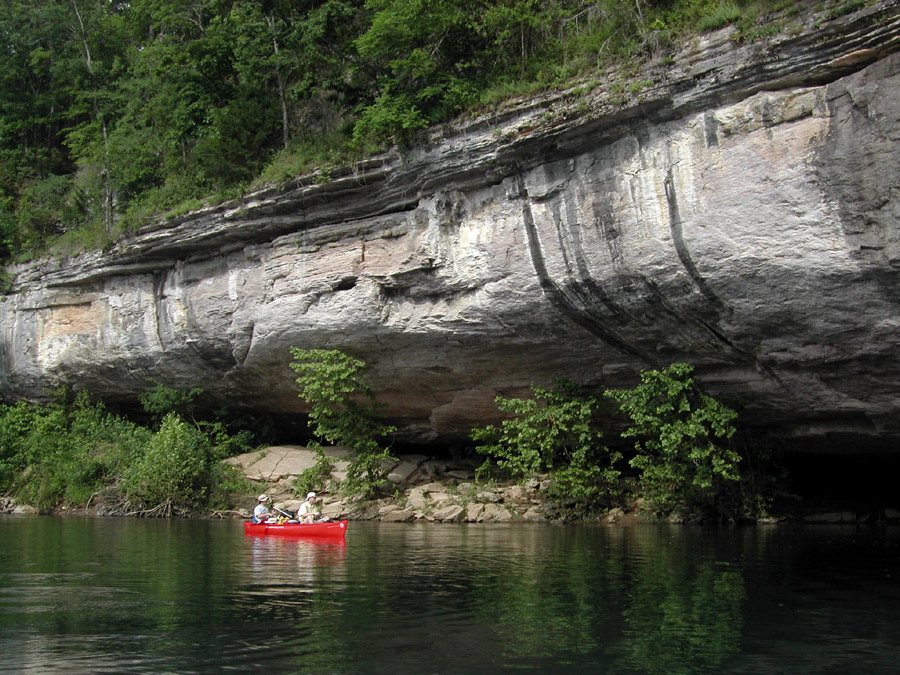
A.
pixel 742 214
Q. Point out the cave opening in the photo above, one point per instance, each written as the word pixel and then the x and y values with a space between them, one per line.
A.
pixel 855 481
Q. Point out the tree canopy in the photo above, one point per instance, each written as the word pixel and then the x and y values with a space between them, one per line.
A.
pixel 111 110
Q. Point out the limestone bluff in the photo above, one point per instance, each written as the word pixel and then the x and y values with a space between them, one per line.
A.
pixel 740 212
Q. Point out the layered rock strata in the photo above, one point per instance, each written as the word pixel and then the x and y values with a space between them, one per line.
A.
pixel 739 210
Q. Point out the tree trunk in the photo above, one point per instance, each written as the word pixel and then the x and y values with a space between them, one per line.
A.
pixel 282 97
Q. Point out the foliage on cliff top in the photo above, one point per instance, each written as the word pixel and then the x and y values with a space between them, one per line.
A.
pixel 117 111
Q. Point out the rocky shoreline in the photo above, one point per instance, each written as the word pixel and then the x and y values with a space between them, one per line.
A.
pixel 426 489
pixel 445 491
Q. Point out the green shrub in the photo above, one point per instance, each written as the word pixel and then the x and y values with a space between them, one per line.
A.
pixel 226 480
pixel 174 472
pixel 332 383
pixel 585 485
pixel 681 455
pixel 77 453
pixel 845 8
pixel 721 16
pixel 61 454
pixel 555 432
pixel 162 400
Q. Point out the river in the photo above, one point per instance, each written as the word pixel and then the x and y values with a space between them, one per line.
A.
pixel 92 595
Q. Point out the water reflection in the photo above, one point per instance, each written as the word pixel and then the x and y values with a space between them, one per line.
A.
pixel 295 560
pixel 143 596
pixel 683 619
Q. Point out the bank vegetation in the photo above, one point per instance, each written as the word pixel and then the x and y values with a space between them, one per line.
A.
pixel 663 448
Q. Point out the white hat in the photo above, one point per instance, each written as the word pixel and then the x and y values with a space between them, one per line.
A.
pixel 262 498
pixel 310 494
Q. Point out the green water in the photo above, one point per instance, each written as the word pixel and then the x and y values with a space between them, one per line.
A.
pixel 127 596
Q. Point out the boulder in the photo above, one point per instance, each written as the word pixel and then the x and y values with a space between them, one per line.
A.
pixel 24 509
pixel 417 499
pixel 448 514
pixel 402 472
pixel 398 516
pixel 474 512
pixel 495 513
pixel 534 515
pixel 515 494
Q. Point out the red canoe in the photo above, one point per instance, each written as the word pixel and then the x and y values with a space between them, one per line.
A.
pixel 331 530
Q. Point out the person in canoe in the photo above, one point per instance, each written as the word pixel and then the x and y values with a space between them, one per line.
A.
pixel 310 510
pixel 261 511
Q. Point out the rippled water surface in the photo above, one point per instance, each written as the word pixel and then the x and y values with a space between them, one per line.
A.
pixel 142 596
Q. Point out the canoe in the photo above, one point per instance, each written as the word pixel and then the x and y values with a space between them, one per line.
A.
pixel 331 530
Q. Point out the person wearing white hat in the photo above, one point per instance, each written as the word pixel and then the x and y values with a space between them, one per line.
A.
pixel 261 511
pixel 309 510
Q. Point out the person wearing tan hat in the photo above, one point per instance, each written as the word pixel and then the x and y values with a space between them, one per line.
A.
pixel 261 512
pixel 309 510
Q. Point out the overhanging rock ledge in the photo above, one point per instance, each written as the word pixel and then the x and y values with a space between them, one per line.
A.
pixel 742 213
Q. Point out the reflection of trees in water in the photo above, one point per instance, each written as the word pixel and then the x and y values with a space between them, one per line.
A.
pixel 562 599
pixel 683 617
pixel 645 600
pixel 536 611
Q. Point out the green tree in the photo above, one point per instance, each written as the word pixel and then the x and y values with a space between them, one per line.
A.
pixel 343 411
pixel 162 400
pixel 174 472
pixel 36 95
pixel 684 462
pixel 114 111
pixel 76 453
pixel 64 454
pixel 556 432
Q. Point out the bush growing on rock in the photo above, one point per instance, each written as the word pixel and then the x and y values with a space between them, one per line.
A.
pixel 682 457
pixel 557 432
pixel 683 462
pixel 332 383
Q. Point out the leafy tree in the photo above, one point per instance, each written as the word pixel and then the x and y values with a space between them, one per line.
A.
pixel 162 400
pixel 77 453
pixel 425 57
pixel 117 110
pixel 62 454
pixel 343 412
pixel 174 471
pixel 682 456
pixel 557 432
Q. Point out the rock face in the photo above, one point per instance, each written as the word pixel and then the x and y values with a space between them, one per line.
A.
pixel 741 213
